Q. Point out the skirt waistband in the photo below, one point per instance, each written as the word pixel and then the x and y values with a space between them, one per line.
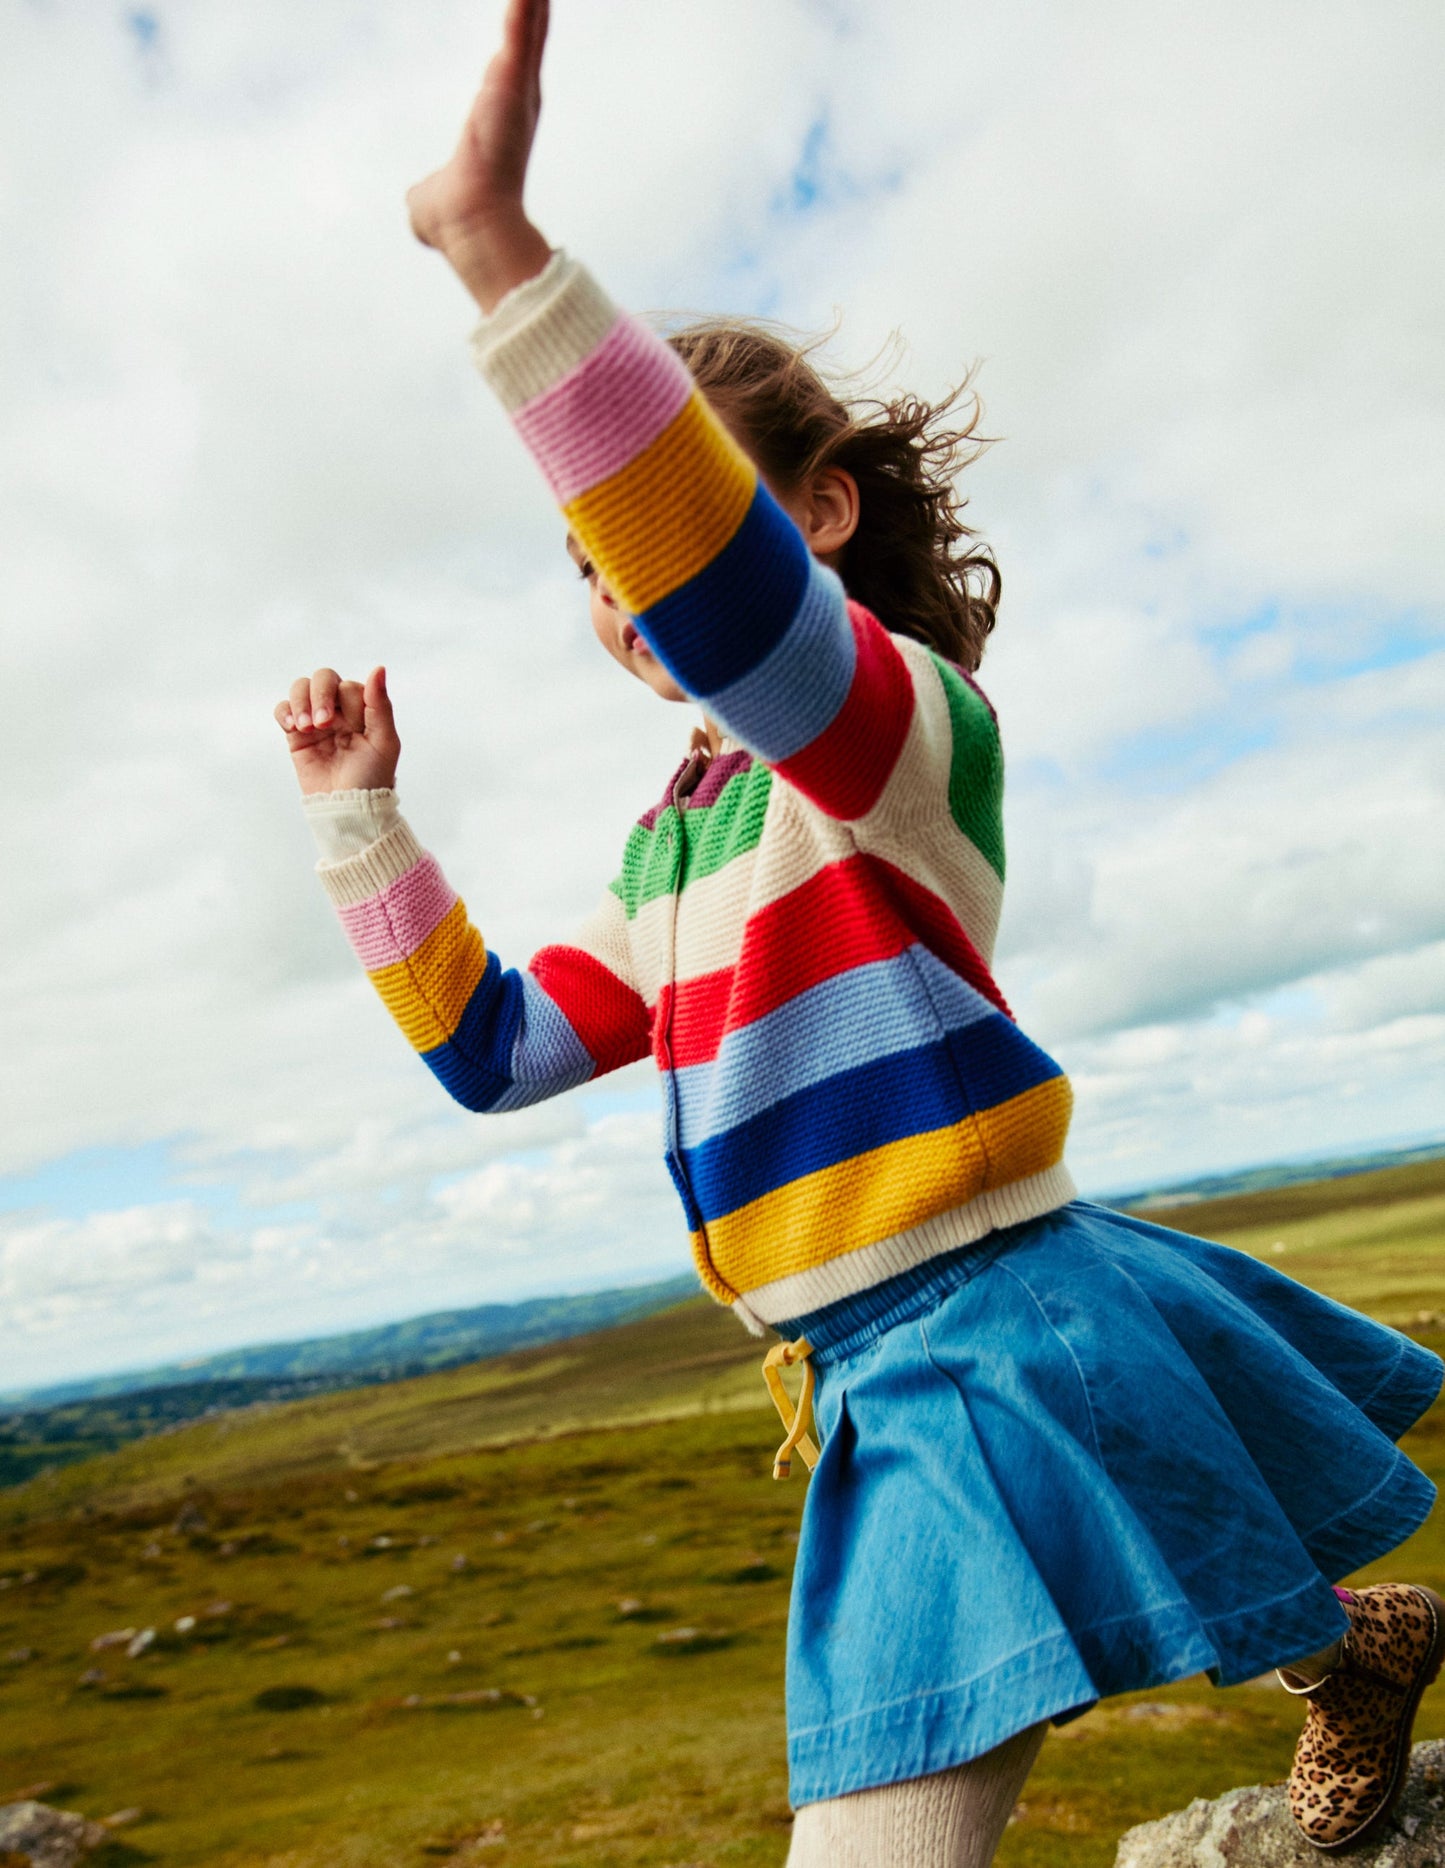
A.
pixel 841 1329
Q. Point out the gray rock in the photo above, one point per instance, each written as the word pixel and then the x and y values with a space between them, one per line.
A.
pixel 47 1838
pixel 1251 1828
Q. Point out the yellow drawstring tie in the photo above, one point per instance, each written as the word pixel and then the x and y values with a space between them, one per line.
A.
pixel 796 1420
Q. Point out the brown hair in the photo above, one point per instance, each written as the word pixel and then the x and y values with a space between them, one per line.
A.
pixel 912 560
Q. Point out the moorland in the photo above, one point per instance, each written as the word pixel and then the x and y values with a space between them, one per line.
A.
pixel 530 1611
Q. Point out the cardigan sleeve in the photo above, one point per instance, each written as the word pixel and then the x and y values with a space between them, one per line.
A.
pixel 495 1037
pixel 715 574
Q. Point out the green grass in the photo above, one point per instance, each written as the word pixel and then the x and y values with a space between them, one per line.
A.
pixel 630 1467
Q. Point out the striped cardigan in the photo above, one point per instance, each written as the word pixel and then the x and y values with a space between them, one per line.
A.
pixel 801 937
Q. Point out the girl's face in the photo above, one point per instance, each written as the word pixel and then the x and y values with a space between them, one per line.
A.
pixel 617 632
pixel 825 512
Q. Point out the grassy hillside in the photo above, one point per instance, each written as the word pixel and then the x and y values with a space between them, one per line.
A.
pixel 532 1611
pixel 76 1420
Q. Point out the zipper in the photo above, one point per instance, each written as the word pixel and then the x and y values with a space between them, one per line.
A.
pixel 682 787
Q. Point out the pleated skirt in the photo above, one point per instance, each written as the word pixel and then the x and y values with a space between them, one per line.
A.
pixel 1083 1457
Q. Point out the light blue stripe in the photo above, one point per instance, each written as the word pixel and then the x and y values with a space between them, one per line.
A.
pixel 547 1055
pixel 867 1013
pixel 795 692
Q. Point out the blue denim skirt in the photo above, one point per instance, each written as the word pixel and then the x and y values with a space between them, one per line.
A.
pixel 1084 1456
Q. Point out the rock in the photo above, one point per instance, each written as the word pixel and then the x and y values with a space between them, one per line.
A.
pixel 47 1838
pixel 118 1637
pixel 1251 1828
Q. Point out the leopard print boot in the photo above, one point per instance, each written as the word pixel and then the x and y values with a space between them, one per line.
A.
pixel 1353 1755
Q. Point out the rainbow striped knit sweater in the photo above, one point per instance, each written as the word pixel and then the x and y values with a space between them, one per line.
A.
pixel 802 940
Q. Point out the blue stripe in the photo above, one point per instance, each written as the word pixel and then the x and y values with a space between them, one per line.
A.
pixel 547 1055
pixel 909 1093
pixel 474 1064
pixel 869 1012
pixel 720 624
pixel 795 692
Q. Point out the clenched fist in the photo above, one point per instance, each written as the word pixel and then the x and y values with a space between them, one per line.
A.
pixel 341 734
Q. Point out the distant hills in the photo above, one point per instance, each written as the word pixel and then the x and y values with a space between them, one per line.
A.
pixel 58 1425
pixel 439 1340
pixel 1272 1175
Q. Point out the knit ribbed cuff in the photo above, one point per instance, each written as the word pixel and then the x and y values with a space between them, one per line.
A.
pixel 376 868
pixel 344 823
pixel 541 330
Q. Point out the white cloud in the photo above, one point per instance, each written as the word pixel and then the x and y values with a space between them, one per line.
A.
pixel 1202 260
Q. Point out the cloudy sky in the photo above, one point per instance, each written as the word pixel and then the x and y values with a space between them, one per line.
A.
pixel 1199 255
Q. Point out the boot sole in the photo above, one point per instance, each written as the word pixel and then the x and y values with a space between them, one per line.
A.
pixel 1400 1770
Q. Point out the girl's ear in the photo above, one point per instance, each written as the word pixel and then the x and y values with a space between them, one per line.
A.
pixel 827 513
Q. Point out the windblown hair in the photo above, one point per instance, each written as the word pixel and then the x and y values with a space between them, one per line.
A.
pixel 912 560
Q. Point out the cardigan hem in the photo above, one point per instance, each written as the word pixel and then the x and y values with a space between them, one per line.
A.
pixel 859 1270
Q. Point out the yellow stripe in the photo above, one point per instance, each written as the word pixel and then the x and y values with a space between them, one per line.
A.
pixel 428 992
pixel 1026 1134
pixel 887 1190
pixel 660 519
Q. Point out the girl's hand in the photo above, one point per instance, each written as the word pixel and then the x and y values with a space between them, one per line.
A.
pixel 341 734
pixel 472 210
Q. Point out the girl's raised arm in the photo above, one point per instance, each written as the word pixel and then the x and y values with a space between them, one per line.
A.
pixel 658 493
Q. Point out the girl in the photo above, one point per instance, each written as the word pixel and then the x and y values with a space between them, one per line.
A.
pixel 1064 1454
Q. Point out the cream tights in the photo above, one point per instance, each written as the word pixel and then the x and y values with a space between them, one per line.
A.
pixel 953 1819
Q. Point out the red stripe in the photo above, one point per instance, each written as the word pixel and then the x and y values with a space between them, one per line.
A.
pixel 607 1015
pixel 847 915
pixel 936 925
pixel 835 921
pixel 846 767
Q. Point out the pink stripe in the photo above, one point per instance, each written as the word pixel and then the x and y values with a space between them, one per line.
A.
pixel 605 410
pixel 395 922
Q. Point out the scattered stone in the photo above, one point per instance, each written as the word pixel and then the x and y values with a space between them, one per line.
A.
pixel 47 1838
pixel 228 1549
pixel 477 1698
pixel 454 1658
pixel 629 1607
pixel 18 1656
pixel 31 1793
pixel 391 1621
pixel 122 1819
pixel 459 1563
pixel 397 1592
pixel 190 1521
pixel 92 1677
pixel 268 1644
pixel 1251 1828
pixel 118 1637
pixel 690 1641
pixel 151 1552
pixel 213 1611
pixel 185 1623
pixel 136 1647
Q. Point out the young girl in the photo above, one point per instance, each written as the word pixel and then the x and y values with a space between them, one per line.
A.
pixel 1065 1454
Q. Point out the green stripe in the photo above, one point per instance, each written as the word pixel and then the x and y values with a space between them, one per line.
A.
pixel 729 827
pixel 975 777
pixel 711 837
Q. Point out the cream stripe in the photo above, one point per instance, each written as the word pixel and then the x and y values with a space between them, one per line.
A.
pixel 709 919
pixel 786 1299
pixel 912 826
pixel 604 934
pixel 712 913
pixel 542 330
pixel 360 877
